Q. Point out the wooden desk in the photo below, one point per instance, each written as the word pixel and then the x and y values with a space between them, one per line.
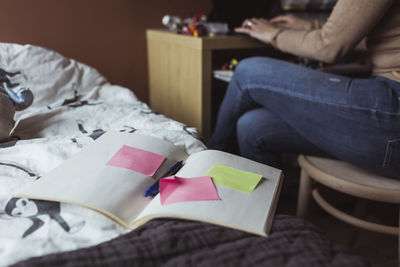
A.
pixel 180 73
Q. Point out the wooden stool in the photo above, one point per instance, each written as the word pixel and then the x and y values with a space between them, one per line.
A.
pixel 346 178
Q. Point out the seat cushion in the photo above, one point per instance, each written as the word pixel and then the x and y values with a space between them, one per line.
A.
pixel 349 172
pixel 350 179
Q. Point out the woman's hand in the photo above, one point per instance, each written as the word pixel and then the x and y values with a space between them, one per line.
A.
pixel 260 29
pixel 291 22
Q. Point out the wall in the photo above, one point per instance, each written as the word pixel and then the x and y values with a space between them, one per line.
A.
pixel 106 34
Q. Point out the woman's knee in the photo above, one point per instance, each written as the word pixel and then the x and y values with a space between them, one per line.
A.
pixel 258 69
pixel 250 64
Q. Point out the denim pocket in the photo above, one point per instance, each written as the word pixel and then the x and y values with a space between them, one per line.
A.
pixel 392 153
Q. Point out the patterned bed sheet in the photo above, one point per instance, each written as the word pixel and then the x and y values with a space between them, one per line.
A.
pixel 74 104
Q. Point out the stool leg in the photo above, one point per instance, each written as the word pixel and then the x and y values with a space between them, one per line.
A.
pixel 360 211
pixel 304 194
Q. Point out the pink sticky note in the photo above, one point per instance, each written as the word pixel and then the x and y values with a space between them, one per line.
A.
pixel 176 189
pixel 137 160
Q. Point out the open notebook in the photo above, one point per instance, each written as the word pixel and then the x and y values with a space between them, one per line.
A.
pixel 88 180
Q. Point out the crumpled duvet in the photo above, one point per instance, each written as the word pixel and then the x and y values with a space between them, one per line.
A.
pixel 73 105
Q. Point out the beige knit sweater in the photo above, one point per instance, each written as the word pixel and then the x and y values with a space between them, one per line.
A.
pixel 349 22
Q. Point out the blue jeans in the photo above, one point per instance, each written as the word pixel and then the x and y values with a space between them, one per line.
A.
pixel 272 106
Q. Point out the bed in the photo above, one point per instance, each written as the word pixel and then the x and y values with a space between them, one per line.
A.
pixel 73 105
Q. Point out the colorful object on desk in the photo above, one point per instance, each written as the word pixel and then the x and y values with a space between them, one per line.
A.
pixel 231 65
pixel 234 178
pixel 175 189
pixel 200 30
pixel 138 160
pixel 173 23
pixel 154 188
pixel 190 26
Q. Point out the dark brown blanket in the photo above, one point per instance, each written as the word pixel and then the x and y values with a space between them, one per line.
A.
pixel 163 242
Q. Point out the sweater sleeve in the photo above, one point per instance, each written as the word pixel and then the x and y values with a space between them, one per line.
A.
pixel 316 24
pixel 349 22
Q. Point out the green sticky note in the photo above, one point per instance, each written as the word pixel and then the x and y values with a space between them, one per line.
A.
pixel 234 178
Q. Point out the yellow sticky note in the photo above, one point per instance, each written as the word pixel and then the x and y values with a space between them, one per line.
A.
pixel 234 178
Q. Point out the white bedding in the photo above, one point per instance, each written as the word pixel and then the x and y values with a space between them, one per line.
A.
pixel 73 105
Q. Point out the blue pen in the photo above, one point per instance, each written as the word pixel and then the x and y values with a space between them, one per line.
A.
pixel 153 189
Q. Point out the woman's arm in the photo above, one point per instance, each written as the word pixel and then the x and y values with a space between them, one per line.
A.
pixel 349 22
pixel 296 23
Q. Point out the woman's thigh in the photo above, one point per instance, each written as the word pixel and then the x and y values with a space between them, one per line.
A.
pixel 351 119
